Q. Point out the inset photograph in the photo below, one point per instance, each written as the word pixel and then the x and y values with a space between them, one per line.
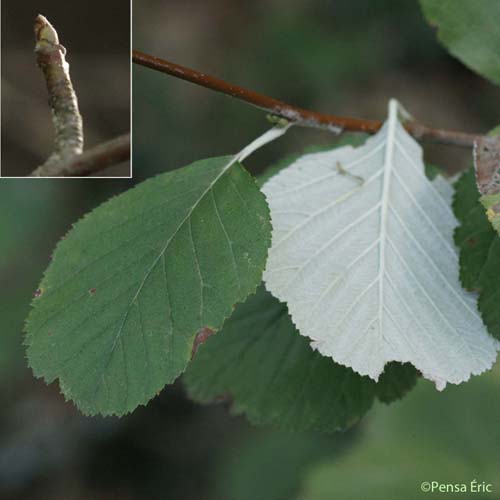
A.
pixel 65 86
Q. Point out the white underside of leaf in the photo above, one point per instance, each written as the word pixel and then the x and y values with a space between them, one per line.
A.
pixel 369 271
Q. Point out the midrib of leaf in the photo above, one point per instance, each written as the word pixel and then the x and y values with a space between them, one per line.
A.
pixel 187 218
pixel 388 164
pixel 392 143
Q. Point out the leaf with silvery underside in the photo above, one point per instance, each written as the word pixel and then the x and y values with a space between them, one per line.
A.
pixel 368 269
pixel 133 282
pixel 487 167
pixel 479 246
pixel 469 30
pixel 260 363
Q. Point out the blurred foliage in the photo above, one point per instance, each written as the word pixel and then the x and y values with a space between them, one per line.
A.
pixel 449 437
pixel 469 29
pixel 22 234
pixel 279 461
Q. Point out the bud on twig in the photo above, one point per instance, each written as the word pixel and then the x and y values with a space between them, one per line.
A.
pixel 66 118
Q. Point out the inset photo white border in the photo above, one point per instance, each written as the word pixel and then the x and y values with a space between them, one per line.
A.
pixel 51 101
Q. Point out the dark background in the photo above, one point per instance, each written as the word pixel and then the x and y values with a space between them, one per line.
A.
pixel 97 39
pixel 340 56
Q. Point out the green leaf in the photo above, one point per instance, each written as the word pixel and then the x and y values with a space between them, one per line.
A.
pixel 479 250
pixel 469 30
pixel 136 279
pixel 396 381
pixel 271 374
pixel 449 437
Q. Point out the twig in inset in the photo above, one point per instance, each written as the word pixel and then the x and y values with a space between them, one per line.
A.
pixel 66 118
pixel 300 116
pixel 94 160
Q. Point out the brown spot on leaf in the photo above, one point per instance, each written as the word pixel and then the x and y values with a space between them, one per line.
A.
pixel 471 242
pixel 37 293
pixel 201 337
pixel 92 291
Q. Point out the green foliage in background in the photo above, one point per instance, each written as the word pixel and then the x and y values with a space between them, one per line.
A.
pixel 135 280
pixel 479 246
pixel 469 30
pixel 271 464
pixel 449 437
pixel 23 237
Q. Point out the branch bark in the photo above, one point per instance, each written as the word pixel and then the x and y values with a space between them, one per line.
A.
pixel 93 160
pixel 67 158
pixel 66 118
pixel 298 115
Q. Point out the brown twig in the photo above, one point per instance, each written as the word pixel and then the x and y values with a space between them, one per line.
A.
pixel 297 115
pixel 95 159
pixel 66 118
